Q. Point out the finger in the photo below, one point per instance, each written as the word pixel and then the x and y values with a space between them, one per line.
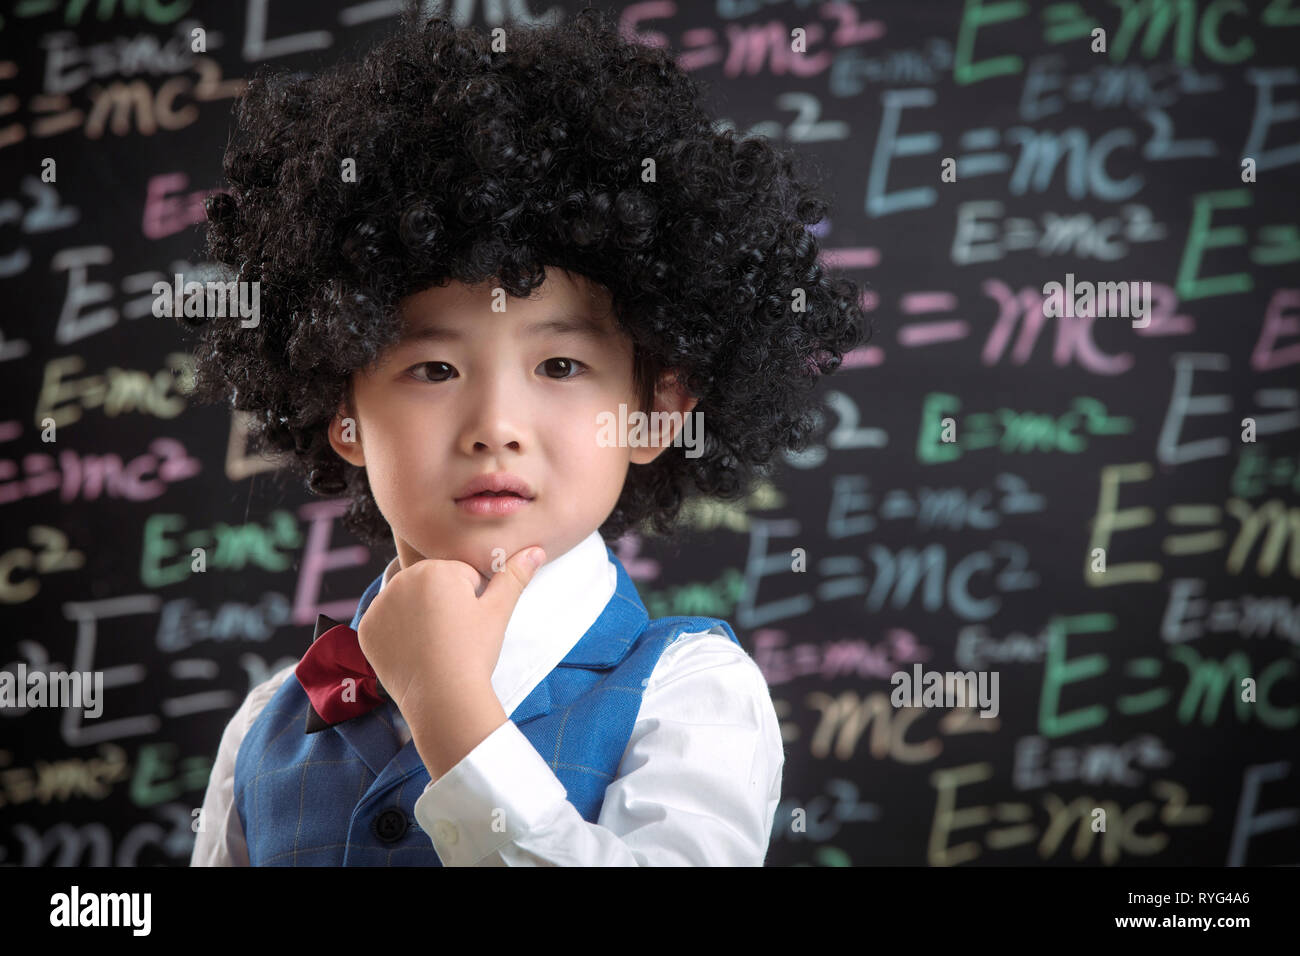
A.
pixel 502 592
pixel 436 567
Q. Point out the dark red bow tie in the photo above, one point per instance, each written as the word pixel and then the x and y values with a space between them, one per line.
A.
pixel 338 679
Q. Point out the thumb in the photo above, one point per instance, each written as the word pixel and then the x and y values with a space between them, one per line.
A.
pixel 507 584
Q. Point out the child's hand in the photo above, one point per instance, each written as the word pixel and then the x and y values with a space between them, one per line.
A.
pixel 430 638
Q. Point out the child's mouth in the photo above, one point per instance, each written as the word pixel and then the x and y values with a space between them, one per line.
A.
pixel 492 503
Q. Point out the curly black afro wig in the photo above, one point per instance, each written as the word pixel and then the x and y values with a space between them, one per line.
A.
pixel 483 166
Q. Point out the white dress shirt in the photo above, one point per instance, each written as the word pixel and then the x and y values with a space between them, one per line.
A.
pixel 698 784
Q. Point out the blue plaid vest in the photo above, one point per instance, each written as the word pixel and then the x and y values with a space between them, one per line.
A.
pixel 345 796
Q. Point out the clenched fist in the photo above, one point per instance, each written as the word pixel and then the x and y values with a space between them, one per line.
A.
pixel 433 641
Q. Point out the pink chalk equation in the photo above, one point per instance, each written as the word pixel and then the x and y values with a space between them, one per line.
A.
pixel 851 658
pixel 756 48
pixel 929 333
pixel 318 559
pixel 1265 357
pixel 167 210
pixel 90 477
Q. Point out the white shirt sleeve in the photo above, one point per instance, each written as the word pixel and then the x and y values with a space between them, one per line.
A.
pixel 698 784
pixel 221 841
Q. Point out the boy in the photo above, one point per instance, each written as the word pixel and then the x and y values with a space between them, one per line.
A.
pixel 469 259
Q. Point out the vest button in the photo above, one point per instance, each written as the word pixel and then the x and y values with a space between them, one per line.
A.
pixel 391 825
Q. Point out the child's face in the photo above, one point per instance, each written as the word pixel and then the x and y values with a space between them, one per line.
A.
pixel 486 395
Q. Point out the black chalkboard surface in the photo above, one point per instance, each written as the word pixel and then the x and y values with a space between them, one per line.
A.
pixel 1066 462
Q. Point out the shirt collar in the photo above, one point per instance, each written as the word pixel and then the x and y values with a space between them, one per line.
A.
pixel 557 607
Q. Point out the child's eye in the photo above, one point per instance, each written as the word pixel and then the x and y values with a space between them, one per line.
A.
pixel 414 368
pixel 565 364
pixel 562 365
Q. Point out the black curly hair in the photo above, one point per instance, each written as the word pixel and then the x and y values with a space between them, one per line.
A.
pixel 478 166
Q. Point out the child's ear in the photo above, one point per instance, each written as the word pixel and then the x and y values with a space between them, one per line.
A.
pixel 345 437
pixel 669 397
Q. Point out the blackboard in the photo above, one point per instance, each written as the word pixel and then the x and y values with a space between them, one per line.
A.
pixel 1100 507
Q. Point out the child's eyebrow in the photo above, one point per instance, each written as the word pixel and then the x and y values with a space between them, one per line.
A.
pixel 579 325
